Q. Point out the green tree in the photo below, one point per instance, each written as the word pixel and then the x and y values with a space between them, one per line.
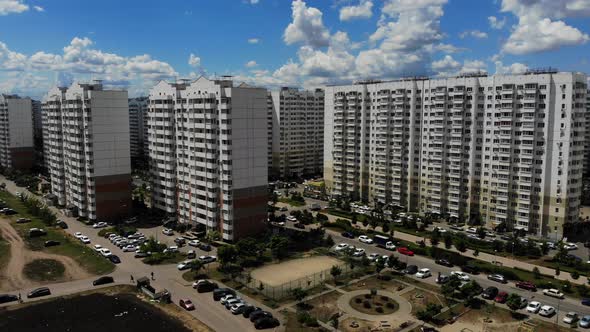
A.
pixel 278 246
pixel 379 265
pixel 329 241
pixel 392 261
pixel 213 236
pixel 385 228
pixel 435 237
pixel 196 265
pixel 335 271
pixel 428 313
pixel 481 232
pixel 354 219
pixel 460 242
pixel 448 238
pixel 536 273
pixel 299 294
pixel 227 254
pixel 513 302
pixel 544 248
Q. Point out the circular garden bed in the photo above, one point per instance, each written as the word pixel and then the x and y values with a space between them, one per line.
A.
pixel 374 304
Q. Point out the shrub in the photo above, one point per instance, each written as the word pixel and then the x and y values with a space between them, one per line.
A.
pixel 358 300
pixel 367 305
pixel 390 305
pixel 384 298
pixel 367 296
pixel 379 310
pixel 575 275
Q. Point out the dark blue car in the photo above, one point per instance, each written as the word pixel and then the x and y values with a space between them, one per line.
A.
pixel 586 302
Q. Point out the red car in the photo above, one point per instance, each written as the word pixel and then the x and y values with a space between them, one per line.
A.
pixel 186 304
pixel 526 285
pixel 501 297
pixel 405 251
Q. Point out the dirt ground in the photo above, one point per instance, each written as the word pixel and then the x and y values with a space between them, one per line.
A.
pixel 278 274
pixel 365 326
pixel 500 321
pixel 324 307
pixel 419 299
pixel 11 275
pixel 98 312
pixel 372 282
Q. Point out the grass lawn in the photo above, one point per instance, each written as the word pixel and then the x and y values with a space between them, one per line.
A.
pixel 84 255
pixel 44 270
pixel 419 299
pixel 291 202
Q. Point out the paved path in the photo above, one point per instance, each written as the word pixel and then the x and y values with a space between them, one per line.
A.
pixel 396 318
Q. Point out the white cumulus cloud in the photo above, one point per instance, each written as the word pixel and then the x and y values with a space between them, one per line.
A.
pixel 12 7
pixel 362 10
pixel 194 60
pixel 496 23
pixel 307 26
pixel 251 64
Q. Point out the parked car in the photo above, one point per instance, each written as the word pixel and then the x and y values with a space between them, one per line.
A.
pixel 42 291
pixel 205 247
pixel 256 315
pixel 221 292
pixel 103 281
pixel 266 323
pixel 570 246
pixel 114 259
pixel 365 239
pixel 501 297
pixel 553 293
pixel 23 220
pixel 358 252
pixel 105 252
pixel 443 262
pixel 85 239
pixel 341 246
pixel 586 302
pixel 186 304
pixel 167 231
pixel 411 269
pixel 299 225
pixel 490 293
pixel 191 254
pixel 231 302
pixel 52 243
pixel 141 254
pixel 237 308
pixel 129 248
pixel 405 251
pixel 570 318
pixel 533 307
pixel 6 298
pixel 423 273
pixel 497 277
pixel 470 269
pixel 248 310
pixel 180 241
pixel 62 224
pixel 461 275
pixel 207 259
pixel 185 265
pixel 547 311
pixel 171 249
pixel 441 279
pixel 205 286
pixel 584 322
pixel 347 235
pixel 101 224
pixel 526 285
pixel 36 232
pixel 194 243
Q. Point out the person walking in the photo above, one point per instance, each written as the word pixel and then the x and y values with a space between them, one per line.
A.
pixel 20 298
pixel 153 276
pixel 132 279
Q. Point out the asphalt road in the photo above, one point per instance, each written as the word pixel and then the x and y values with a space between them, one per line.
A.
pixel 167 277
pixel 565 305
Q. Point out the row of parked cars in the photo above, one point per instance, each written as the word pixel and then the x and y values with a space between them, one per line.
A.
pixel 104 252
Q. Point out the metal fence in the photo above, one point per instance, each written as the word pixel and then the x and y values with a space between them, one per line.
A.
pixel 281 291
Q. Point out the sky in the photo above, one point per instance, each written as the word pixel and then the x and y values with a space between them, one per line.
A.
pixel 132 44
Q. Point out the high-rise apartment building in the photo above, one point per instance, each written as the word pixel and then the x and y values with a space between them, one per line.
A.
pixel 296 134
pixel 87 140
pixel 208 154
pixel 501 149
pixel 16 132
pixel 587 136
pixel 38 133
pixel 138 108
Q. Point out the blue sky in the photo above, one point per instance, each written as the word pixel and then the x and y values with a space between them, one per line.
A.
pixel 133 44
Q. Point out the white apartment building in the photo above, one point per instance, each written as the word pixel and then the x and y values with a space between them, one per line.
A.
pixel 503 149
pixel 587 136
pixel 138 108
pixel 16 132
pixel 87 139
pixel 296 136
pixel 208 154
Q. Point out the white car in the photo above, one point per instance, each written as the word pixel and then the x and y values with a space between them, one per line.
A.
pixel 85 239
pixel 533 307
pixel 97 247
pixel 365 239
pixel 547 311
pixel 171 249
pixel 129 248
pixel 570 246
pixel 571 317
pixel 238 308
pixel 461 275
pixel 112 236
pixel 168 232
pixel 472 230
pixel 341 246
pixel 423 273
pixel 390 245
pixel 227 298
pixel 194 243
pixel 183 265
pixel 101 224
pixel 78 235
pixel 105 252
pixel 291 218
pixel 553 293
pixel 440 230
pixel 358 252
pixel 373 257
